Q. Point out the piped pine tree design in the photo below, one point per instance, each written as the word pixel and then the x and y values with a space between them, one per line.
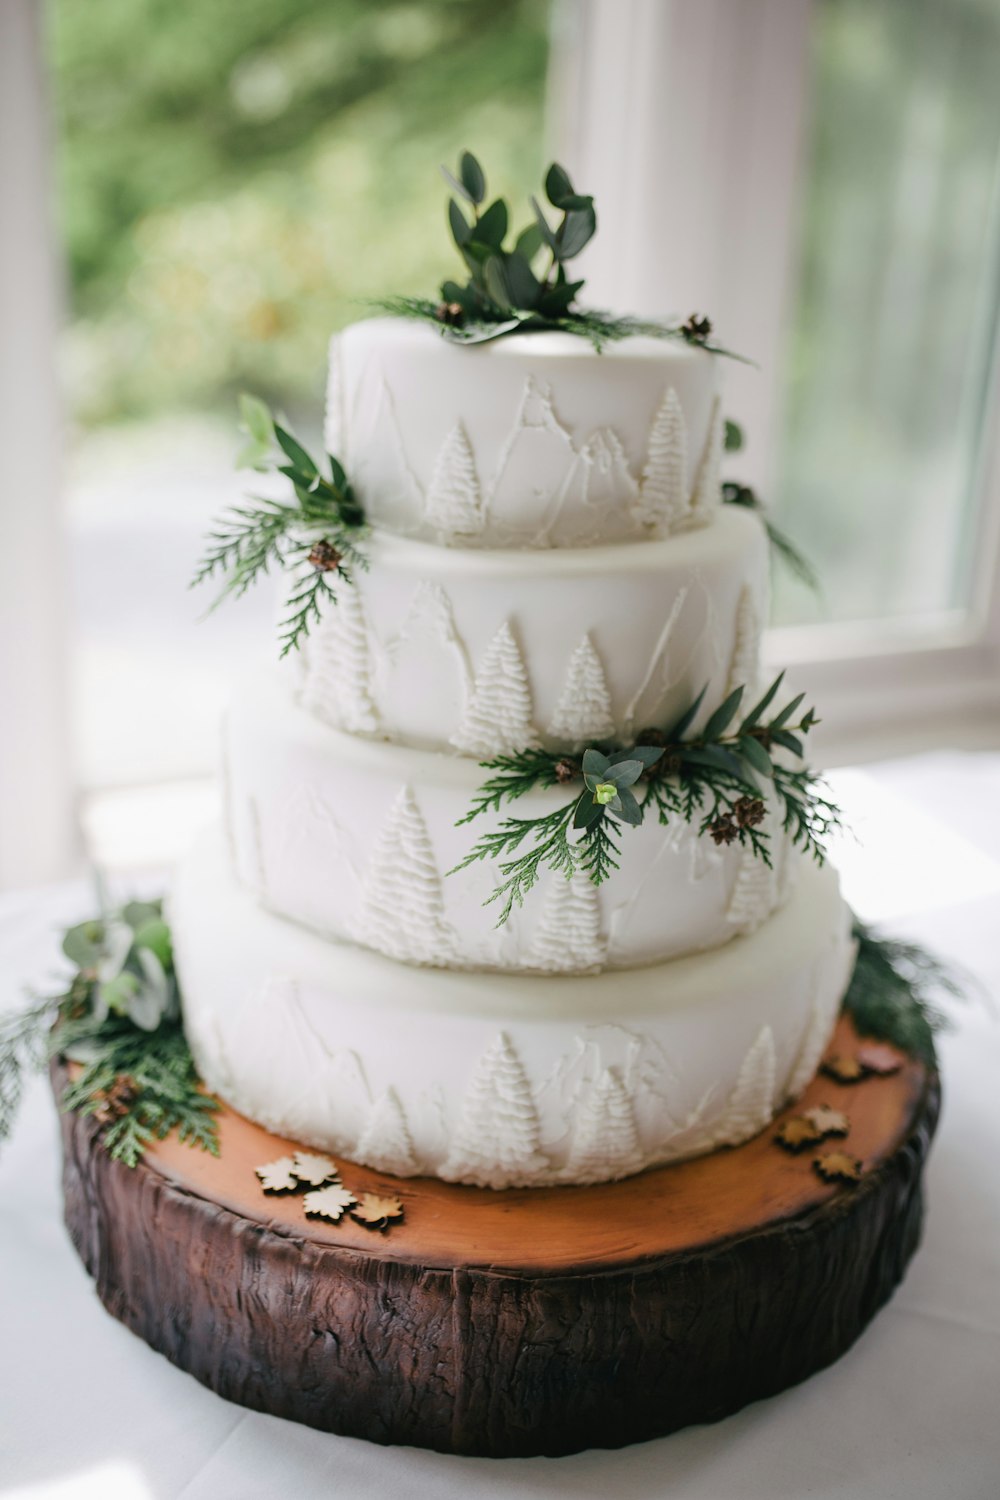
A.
pixel 707 494
pixel 751 1104
pixel 663 499
pixel 337 682
pixel 386 1143
pixel 583 715
pixel 496 1143
pixel 497 717
pixel 754 892
pixel 568 939
pixel 402 910
pixel 454 500
pixel 744 664
pixel 605 1141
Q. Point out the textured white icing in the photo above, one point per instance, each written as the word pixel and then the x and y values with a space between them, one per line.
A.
pixel 504 1079
pixel 744 664
pixel 530 442
pixel 382 878
pixel 562 645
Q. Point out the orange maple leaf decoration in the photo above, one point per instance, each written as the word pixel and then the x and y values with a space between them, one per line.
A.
pixel 797 1133
pixel 376 1212
pixel 837 1166
pixel 876 1058
pixel 843 1068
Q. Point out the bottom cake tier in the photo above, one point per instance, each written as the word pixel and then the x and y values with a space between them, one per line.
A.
pixel 503 1080
pixel 511 1323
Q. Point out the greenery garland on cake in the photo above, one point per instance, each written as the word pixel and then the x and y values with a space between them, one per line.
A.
pixel 712 779
pixel 119 1020
pixel 316 538
pixel 508 292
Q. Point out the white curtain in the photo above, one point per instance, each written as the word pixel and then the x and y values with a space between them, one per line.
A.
pixel 37 819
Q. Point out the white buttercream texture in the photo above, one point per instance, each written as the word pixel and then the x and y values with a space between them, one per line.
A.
pixel 744 664
pixel 496 1142
pixel 708 481
pixel 338 677
pixel 386 1143
pixel 568 939
pixel 751 1104
pixel 454 501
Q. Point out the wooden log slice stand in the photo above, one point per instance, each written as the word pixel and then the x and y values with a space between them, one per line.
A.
pixel 537 1321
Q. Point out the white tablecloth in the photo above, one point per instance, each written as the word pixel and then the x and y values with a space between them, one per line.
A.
pixel 911 1413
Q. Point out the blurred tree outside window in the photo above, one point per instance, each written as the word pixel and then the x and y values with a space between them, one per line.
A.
pixel 895 317
pixel 236 179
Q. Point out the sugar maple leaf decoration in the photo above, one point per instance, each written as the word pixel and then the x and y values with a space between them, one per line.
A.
pixel 330 1202
pixel 826 1120
pixel 278 1176
pixel 876 1058
pixel 843 1068
pixel 837 1166
pixel 314 1170
pixel 797 1133
pixel 376 1212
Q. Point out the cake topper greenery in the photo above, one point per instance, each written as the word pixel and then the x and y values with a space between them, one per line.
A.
pixel 118 1020
pixel 524 285
pixel 315 537
pixel 748 499
pixel 716 779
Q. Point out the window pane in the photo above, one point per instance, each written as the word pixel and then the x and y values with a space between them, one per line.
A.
pixel 236 180
pixel 896 309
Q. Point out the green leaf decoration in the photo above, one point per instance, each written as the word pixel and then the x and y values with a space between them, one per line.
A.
pixel 895 991
pixel 492 227
pixel 706 779
pixel 577 231
pixel 523 285
pixel 471 174
pixel 461 229
pixel 316 538
pixel 529 242
pixel 457 186
pixel 733 441
pixel 557 185
pixel 781 545
pixel 496 283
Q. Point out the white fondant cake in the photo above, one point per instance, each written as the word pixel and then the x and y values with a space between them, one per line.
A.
pixel 549 567
pixel 355 838
pixel 503 1080
pixel 489 652
pixel 535 441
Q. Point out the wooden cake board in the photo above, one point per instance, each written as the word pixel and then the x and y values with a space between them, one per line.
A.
pixel 530 1321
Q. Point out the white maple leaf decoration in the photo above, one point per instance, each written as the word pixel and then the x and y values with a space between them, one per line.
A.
pixel 314 1170
pixel 330 1202
pixel 278 1176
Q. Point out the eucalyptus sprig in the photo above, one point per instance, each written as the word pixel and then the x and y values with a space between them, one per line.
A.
pixel 315 539
pixel 119 1019
pixel 714 779
pixel 524 286
pixel 748 499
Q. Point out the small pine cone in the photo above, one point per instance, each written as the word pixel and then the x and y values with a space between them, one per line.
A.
pixel 651 737
pixel 723 830
pixel 566 770
pixel 697 328
pixel 670 765
pixel 749 812
pixel 117 1101
pixel 450 313
pixel 325 558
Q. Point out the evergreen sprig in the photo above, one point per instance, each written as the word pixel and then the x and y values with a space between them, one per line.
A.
pixel 781 543
pixel 119 1020
pixel 509 291
pixel 314 539
pixel 892 992
pixel 713 779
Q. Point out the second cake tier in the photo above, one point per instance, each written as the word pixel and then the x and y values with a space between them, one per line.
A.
pixel 356 838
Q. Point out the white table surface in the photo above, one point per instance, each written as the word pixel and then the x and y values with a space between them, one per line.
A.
pixel 911 1413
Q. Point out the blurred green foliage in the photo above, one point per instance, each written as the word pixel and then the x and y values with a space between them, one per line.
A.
pixel 238 176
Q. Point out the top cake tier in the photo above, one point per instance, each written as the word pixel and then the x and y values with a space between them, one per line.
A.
pixel 530 441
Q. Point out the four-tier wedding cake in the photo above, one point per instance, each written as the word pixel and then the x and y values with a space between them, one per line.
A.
pixel 549 568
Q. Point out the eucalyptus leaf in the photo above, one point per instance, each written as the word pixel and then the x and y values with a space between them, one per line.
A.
pixel 733 441
pixel 256 419
pixel 678 729
pixel 524 285
pixel 544 227
pixel 624 772
pixel 723 716
pixel 461 229
pixel 756 713
pixel 472 177
pixel 557 185
pixel 528 242
pixel 295 451
pixel 459 187
pixel 595 763
pixel 492 227
pixel 496 283
pixel 83 945
pixel 116 995
pixel 588 812
pixel 780 720
pixel 629 809
pixel 576 232
pixel 154 935
pixel 754 753
pixel 717 756
pixel 789 741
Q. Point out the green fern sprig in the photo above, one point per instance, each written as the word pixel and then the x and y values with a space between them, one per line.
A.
pixel 316 539
pixel 712 779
